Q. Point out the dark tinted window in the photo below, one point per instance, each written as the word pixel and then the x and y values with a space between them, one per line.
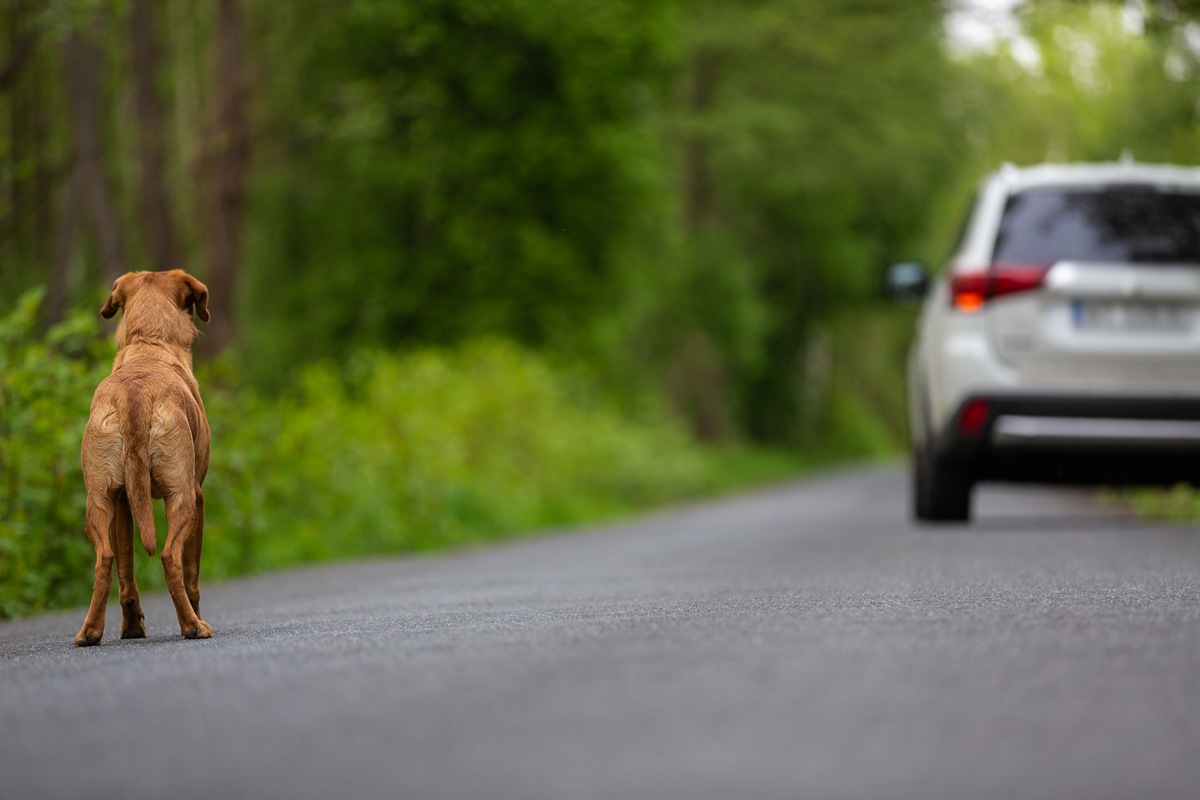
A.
pixel 1117 223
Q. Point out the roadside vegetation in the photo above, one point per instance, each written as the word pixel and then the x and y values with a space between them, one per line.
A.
pixel 1178 504
pixel 479 267
pixel 385 453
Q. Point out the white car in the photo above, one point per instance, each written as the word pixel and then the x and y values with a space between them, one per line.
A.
pixel 1061 342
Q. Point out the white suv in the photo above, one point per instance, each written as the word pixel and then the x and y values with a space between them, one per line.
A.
pixel 1061 343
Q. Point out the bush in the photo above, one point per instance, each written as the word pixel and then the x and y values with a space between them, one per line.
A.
pixel 426 450
pixel 46 387
pixel 1179 503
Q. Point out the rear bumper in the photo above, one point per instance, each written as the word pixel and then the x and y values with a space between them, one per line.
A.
pixel 1101 439
pixel 1017 432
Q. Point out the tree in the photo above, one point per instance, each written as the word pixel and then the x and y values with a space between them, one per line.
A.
pixel 810 163
pixel 154 197
pixel 29 169
pixel 83 67
pixel 222 173
pixel 449 169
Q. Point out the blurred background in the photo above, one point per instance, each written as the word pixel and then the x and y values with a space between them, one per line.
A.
pixel 483 266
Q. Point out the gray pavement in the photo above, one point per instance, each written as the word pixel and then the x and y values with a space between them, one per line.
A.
pixel 801 642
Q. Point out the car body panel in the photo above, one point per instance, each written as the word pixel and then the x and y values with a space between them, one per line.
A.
pixel 1098 326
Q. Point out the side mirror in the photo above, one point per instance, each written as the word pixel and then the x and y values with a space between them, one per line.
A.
pixel 906 283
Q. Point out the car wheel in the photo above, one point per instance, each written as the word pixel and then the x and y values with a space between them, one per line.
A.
pixel 941 490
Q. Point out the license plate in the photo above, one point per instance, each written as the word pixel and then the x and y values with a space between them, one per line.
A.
pixel 1131 317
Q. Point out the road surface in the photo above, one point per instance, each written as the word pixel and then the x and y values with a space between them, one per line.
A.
pixel 805 641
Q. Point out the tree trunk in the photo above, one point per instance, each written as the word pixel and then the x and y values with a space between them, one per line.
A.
pixel 20 48
pixel 223 166
pixel 12 200
pixel 65 246
pixel 154 200
pixel 83 65
pixel 696 376
pixel 699 189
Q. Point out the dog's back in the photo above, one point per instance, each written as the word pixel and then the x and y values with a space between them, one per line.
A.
pixel 146 433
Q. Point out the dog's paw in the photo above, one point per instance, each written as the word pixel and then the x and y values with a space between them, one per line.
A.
pixel 137 631
pixel 87 638
pixel 133 625
pixel 202 630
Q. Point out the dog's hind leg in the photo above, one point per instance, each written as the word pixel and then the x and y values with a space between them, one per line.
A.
pixel 132 619
pixel 191 556
pixel 98 520
pixel 181 528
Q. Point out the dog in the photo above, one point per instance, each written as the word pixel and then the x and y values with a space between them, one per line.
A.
pixel 147 436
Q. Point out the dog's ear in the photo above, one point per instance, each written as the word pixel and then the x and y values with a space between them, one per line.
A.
pixel 115 301
pixel 195 298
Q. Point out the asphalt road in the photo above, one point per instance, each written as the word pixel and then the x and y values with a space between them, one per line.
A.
pixel 802 642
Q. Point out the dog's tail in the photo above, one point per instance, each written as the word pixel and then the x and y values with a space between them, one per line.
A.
pixel 136 458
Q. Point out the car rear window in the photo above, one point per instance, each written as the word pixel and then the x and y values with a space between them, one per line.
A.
pixel 1111 224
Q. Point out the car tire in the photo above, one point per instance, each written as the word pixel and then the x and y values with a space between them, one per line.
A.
pixel 941 489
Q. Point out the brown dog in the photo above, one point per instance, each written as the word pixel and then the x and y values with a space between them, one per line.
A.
pixel 147 436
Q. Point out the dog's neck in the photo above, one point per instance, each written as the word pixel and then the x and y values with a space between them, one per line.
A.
pixel 155 332
pixel 135 350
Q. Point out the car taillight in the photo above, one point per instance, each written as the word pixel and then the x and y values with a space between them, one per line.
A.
pixel 973 417
pixel 970 291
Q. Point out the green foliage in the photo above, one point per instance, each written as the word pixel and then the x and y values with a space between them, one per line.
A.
pixel 425 450
pixel 1180 504
pixel 1090 86
pixel 866 413
pixel 817 163
pixel 46 386
pixel 456 169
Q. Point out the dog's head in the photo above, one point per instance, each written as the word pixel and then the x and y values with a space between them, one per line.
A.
pixel 158 306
